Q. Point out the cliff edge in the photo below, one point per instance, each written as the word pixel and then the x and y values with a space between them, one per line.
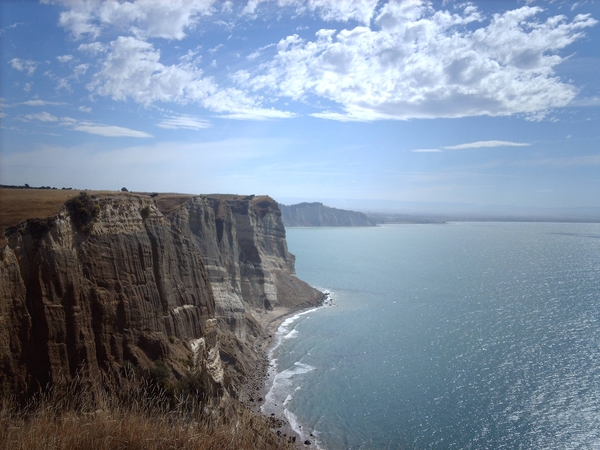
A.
pixel 318 215
pixel 121 279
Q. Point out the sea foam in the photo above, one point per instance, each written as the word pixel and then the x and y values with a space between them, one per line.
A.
pixel 285 382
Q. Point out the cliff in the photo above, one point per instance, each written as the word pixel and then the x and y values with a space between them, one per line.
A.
pixel 121 279
pixel 318 215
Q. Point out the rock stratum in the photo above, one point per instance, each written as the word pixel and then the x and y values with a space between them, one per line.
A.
pixel 116 280
pixel 318 215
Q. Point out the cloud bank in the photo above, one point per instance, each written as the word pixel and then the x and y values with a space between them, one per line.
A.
pixel 85 126
pixel 395 60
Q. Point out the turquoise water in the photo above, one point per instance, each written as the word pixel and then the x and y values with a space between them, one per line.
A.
pixel 456 336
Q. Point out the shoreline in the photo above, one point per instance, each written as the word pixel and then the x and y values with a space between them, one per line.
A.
pixel 262 382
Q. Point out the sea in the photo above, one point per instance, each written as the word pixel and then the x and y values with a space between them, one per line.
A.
pixel 444 336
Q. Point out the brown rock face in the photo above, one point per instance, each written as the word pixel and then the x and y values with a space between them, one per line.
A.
pixel 137 286
pixel 242 240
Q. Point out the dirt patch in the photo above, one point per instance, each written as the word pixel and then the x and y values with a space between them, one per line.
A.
pixel 168 203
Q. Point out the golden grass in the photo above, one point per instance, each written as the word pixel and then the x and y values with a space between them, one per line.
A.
pixel 71 421
pixel 18 205
pixel 122 429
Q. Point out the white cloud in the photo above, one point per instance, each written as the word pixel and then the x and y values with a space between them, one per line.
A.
pixel 407 60
pixel 85 109
pixel 10 27
pixel 64 58
pixel 189 122
pixel 79 20
pixel 227 6
pixel 427 150
pixel 110 130
pixel 63 83
pixel 255 54
pixel 87 127
pixel 23 65
pixel 336 10
pixel 38 102
pixel 478 144
pixel 251 7
pixel 257 114
pixel 68 121
pixel 422 63
pixel 80 69
pixel 590 101
pixel 150 18
pixel 235 104
pixel 329 10
pixel 43 117
pixel 93 48
pixel 486 144
pixel 132 70
pixel 215 49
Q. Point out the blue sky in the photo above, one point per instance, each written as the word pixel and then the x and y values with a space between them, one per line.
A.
pixel 489 103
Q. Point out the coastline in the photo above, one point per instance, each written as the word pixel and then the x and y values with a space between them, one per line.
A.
pixel 262 382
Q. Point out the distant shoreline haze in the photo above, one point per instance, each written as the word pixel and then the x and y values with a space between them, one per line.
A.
pixel 387 211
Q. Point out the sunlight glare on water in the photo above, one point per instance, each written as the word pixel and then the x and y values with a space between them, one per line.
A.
pixel 470 335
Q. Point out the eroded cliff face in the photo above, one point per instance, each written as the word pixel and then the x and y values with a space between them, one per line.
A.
pixel 318 215
pixel 137 286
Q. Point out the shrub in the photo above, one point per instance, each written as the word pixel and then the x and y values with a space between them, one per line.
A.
pixel 145 212
pixel 38 228
pixel 160 373
pixel 83 210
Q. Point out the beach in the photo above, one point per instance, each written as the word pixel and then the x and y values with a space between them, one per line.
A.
pixel 256 395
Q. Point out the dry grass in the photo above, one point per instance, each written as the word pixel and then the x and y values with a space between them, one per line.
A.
pixel 18 205
pixel 122 429
pixel 168 203
pixel 71 420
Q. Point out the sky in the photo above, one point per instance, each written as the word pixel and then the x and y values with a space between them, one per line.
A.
pixel 481 102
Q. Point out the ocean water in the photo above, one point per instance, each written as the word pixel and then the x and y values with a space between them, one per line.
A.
pixel 455 336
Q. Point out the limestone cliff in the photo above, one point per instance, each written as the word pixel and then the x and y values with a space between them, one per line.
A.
pixel 88 290
pixel 318 215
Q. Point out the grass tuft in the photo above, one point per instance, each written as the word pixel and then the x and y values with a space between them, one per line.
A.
pixel 78 417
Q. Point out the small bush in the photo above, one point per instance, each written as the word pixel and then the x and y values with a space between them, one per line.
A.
pixel 160 373
pixel 83 210
pixel 38 228
pixel 145 212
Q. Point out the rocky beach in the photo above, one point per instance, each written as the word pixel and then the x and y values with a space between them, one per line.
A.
pixel 260 383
